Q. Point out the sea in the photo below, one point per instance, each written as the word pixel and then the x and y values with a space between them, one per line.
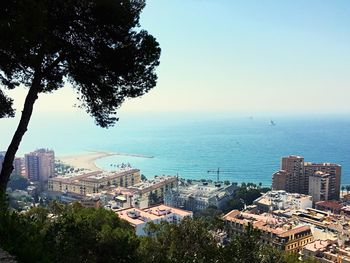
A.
pixel 244 147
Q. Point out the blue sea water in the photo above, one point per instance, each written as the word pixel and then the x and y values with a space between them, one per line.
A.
pixel 246 149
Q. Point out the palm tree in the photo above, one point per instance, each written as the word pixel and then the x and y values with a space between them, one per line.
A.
pixel 342 190
pixel 347 188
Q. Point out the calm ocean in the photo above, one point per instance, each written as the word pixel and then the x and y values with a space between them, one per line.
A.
pixel 245 149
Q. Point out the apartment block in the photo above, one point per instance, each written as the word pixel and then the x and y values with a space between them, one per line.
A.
pixel 279 180
pixel 94 182
pixel 295 173
pixel 152 192
pixel 319 186
pixel 334 171
pixel 279 232
pixel 40 166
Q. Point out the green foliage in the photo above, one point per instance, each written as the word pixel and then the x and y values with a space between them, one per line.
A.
pixel 68 234
pixel 76 234
pixel 188 241
pixel 104 55
pixel 244 195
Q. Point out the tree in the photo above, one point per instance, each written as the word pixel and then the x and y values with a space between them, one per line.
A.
pixel 342 189
pixel 347 188
pixel 95 45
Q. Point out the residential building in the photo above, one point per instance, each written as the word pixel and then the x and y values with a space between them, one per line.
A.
pixel 327 251
pixel 84 183
pixel 334 171
pixel 279 232
pixel 279 180
pixel 276 200
pixel 319 186
pixel 32 167
pixel 138 218
pixel 294 176
pixel 154 191
pixel 295 181
pixel 17 164
pixel 40 166
pixel 333 207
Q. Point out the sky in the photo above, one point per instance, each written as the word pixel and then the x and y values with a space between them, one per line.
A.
pixel 241 56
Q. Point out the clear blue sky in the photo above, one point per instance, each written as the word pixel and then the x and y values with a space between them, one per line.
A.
pixel 251 56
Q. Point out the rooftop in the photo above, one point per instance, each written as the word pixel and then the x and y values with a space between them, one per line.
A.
pixel 137 216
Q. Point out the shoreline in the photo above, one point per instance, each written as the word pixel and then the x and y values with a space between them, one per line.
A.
pixel 87 160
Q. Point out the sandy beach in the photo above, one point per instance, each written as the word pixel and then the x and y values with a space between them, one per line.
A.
pixel 87 160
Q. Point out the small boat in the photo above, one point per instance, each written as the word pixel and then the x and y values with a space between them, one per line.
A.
pixel 272 123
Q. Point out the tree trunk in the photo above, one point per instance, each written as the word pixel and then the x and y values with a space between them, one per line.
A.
pixel 7 166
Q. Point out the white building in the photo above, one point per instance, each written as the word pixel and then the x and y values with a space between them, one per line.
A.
pixel 319 186
pixel 138 218
pixel 280 200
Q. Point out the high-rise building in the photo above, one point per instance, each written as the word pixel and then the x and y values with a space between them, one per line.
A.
pixel 295 173
pixel 334 171
pixel 32 166
pixel 319 186
pixel 17 166
pixel 295 179
pixel 279 180
pixel 40 165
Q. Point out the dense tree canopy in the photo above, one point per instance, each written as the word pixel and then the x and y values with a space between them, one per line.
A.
pixel 96 45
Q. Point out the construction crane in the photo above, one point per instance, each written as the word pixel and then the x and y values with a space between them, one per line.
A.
pixel 218 171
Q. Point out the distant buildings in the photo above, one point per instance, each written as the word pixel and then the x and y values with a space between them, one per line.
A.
pixel 138 218
pixel 295 177
pixel 279 232
pixel 327 251
pixel 40 166
pixel 17 164
pixel 277 200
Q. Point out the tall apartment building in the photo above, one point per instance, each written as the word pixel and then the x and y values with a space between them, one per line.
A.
pixel 295 181
pixel 40 165
pixel 334 171
pixel 319 184
pixel 294 176
pixel 279 180
pixel 17 164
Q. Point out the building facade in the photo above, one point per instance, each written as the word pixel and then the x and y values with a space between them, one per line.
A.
pixel 319 186
pixel 40 166
pixel 294 167
pixel 275 231
pixel 334 171
pixel 94 182
pixel 279 180
pixel 295 173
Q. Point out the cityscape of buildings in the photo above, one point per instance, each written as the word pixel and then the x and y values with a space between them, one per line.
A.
pixel 304 212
